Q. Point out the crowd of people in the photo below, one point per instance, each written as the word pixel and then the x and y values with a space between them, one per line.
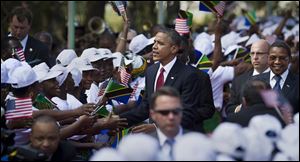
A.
pixel 230 92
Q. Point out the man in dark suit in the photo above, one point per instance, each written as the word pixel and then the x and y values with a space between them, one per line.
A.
pixel 193 85
pixel 259 59
pixel 280 78
pixel 20 23
pixel 253 104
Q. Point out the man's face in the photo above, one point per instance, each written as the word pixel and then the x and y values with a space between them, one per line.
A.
pixel 45 137
pixel 51 87
pixel 99 75
pixel 163 50
pixel 108 68
pixel 259 56
pixel 19 29
pixel 87 79
pixel 278 60
pixel 166 120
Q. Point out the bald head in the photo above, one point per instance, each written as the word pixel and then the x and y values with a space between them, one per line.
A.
pixel 262 44
pixel 259 55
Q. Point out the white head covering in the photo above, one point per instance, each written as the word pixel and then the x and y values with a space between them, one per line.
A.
pixel 288 144
pixel 139 147
pixel 107 154
pixel 22 76
pixel 229 139
pixel 259 148
pixel 65 57
pixel 266 125
pixel 194 147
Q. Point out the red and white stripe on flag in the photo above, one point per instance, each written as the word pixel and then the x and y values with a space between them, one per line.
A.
pixel 220 7
pixel 121 9
pixel 102 89
pixel 132 95
pixel 124 75
pixel 23 109
pixel 21 55
pixel 181 26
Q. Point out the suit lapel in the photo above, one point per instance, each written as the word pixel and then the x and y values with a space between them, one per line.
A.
pixel 151 77
pixel 173 74
pixel 287 84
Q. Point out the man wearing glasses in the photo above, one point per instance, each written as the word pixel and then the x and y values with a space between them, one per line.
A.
pixel 259 60
pixel 280 78
pixel 166 112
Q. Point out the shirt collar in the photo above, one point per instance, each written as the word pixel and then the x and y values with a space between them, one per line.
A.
pixel 283 75
pixel 169 66
pixel 255 72
pixel 162 137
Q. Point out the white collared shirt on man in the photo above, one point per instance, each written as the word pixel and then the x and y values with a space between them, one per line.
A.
pixel 165 148
pixel 282 80
pixel 167 69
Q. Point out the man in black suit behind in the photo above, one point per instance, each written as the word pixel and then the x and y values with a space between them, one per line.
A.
pixel 259 60
pixel 280 77
pixel 20 23
pixel 193 85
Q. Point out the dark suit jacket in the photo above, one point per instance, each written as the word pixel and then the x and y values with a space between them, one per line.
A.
pixel 36 52
pixel 196 95
pixel 244 116
pixel 290 88
pixel 65 152
pixel 236 91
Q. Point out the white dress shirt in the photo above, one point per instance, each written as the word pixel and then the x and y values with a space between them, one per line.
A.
pixel 167 68
pixel 282 80
pixel 165 148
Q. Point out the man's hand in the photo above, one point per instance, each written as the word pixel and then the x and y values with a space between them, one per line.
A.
pixel 144 128
pixel 114 122
pixel 85 109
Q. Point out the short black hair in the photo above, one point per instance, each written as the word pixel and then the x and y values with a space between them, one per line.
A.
pixel 173 35
pixel 163 91
pixel 21 13
pixel 251 91
pixel 282 44
pixel 45 119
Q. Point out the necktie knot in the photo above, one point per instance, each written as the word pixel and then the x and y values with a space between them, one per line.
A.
pixel 277 78
pixel 162 70
pixel 170 141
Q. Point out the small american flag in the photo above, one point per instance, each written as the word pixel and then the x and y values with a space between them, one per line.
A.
pixel 181 26
pixel 220 7
pixel 19 108
pixel 276 100
pixel 102 88
pixel 125 76
pixel 121 7
pixel 21 55
pixel 132 98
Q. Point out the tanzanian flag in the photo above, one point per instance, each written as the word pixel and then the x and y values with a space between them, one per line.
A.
pixel 250 17
pixel 186 15
pixel 216 7
pixel 118 92
pixel 42 102
pixel 204 64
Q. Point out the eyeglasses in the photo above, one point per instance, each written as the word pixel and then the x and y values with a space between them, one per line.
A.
pixel 167 112
pixel 258 53
pixel 280 58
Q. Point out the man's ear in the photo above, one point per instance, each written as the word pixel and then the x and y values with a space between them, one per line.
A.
pixel 152 114
pixel 174 49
